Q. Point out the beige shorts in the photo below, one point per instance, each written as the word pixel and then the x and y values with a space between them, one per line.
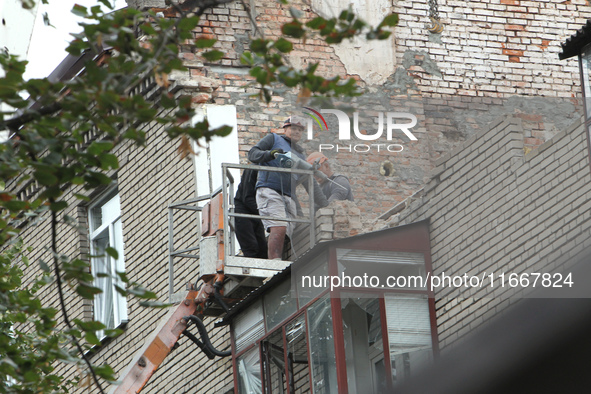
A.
pixel 274 204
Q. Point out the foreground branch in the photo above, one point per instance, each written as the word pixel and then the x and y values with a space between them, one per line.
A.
pixel 57 272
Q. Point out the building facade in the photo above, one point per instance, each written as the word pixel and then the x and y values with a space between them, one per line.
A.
pixel 492 59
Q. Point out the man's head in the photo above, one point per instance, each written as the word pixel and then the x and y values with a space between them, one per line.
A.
pixel 320 162
pixel 294 127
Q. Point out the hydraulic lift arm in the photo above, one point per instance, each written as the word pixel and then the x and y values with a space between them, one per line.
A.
pixel 158 345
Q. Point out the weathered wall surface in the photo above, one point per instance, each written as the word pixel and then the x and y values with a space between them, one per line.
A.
pixel 487 53
pixel 493 209
pixel 488 50
pixel 494 48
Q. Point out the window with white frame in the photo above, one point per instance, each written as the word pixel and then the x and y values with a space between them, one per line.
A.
pixel 209 158
pixel 104 218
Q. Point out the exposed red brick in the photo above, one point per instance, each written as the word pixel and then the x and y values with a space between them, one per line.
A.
pixel 510 2
pixel 512 52
pixel 530 117
pixel 544 45
pixel 514 59
pixel 532 142
pixel 201 98
pixel 515 27
pixel 168 12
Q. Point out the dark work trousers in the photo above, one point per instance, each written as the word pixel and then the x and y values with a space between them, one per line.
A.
pixel 250 233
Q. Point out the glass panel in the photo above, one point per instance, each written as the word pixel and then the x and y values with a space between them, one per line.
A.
pixel 308 279
pixel 249 326
pixel 104 213
pixel 409 334
pixel 322 350
pixel 96 218
pixel 121 302
pixel 297 356
pixel 274 363
pixel 585 69
pixel 101 266
pixel 364 350
pixel 279 305
pixel 249 372
pixel 358 268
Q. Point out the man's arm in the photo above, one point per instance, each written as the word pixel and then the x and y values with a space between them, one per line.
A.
pixel 339 192
pixel 261 152
pixel 320 200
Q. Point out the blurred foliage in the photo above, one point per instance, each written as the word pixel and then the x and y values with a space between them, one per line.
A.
pixel 63 135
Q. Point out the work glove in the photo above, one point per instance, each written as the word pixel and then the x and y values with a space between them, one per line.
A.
pixel 274 152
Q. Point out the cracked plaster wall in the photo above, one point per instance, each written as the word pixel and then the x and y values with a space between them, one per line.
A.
pixel 373 60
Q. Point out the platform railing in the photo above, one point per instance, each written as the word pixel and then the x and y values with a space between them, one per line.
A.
pixel 259 267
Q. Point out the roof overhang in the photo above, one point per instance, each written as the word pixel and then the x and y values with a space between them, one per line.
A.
pixel 379 236
pixel 573 45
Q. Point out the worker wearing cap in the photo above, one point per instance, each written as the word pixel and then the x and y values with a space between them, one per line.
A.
pixel 274 194
pixel 335 187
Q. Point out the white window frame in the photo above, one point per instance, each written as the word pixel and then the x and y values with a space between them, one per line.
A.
pixel 209 158
pixel 101 262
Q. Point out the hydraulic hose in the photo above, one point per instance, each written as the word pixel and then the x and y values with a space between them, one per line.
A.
pixel 218 297
pixel 200 344
pixel 205 337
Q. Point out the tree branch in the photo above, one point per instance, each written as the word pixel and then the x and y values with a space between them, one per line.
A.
pixel 14 124
pixel 58 278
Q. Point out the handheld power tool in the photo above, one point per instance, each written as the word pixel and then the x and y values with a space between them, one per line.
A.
pixel 287 160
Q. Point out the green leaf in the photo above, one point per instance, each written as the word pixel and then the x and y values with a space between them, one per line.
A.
pixel 246 59
pixel 213 56
pixel 107 3
pixel 205 42
pixel 105 372
pixel 109 161
pixel 89 325
pixel 384 35
pixel 87 292
pixel 188 23
pixel 44 266
pixel 15 205
pixel 81 196
pixel 317 23
pixel 166 101
pixel 295 13
pixel 92 338
pixel 148 28
pixel 223 131
pixel 45 177
pixel 114 332
pixel 391 20
pixel 259 46
pixel 140 292
pixel 293 29
pixel 283 45
pixel 79 10
pixel 154 304
pixel 58 206
pixel 98 147
pixel 112 252
pixel 345 15
pixel 93 179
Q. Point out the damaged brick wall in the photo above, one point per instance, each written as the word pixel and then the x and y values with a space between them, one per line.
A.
pixel 471 63
pixel 488 50
pixel 493 208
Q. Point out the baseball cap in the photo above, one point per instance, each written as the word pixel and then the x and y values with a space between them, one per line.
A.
pixel 294 121
pixel 316 156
